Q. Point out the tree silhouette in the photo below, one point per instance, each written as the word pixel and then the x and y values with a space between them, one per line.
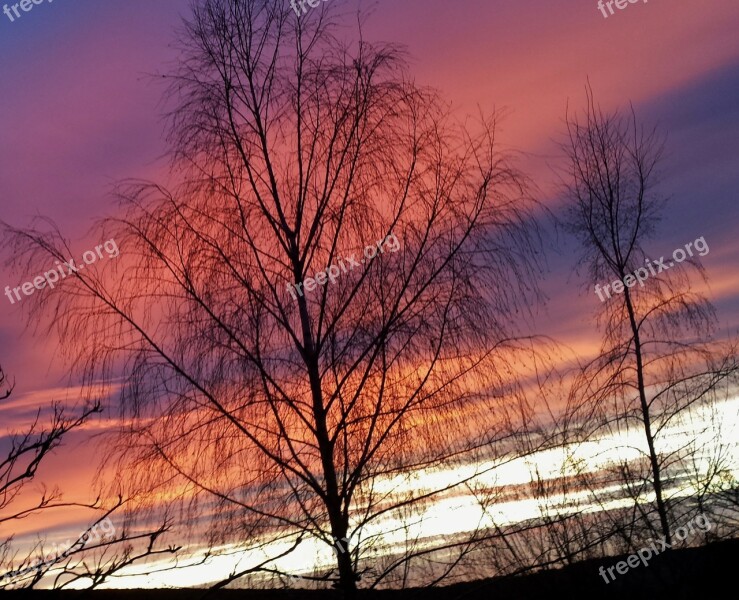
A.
pixel 90 559
pixel 283 403
pixel 658 359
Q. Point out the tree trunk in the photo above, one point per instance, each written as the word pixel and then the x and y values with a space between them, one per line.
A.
pixel 347 577
pixel 646 420
pixel 332 499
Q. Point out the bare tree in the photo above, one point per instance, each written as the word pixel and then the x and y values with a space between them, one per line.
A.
pixel 25 453
pixel 91 558
pixel 293 384
pixel 658 359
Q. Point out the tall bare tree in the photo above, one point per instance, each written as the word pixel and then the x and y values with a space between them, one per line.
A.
pixel 321 305
pixel 658 359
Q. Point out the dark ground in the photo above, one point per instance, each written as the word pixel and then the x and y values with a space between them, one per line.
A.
pixel 694 573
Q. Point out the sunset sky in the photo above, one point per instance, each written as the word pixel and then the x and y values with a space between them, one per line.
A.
pixel 81 110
